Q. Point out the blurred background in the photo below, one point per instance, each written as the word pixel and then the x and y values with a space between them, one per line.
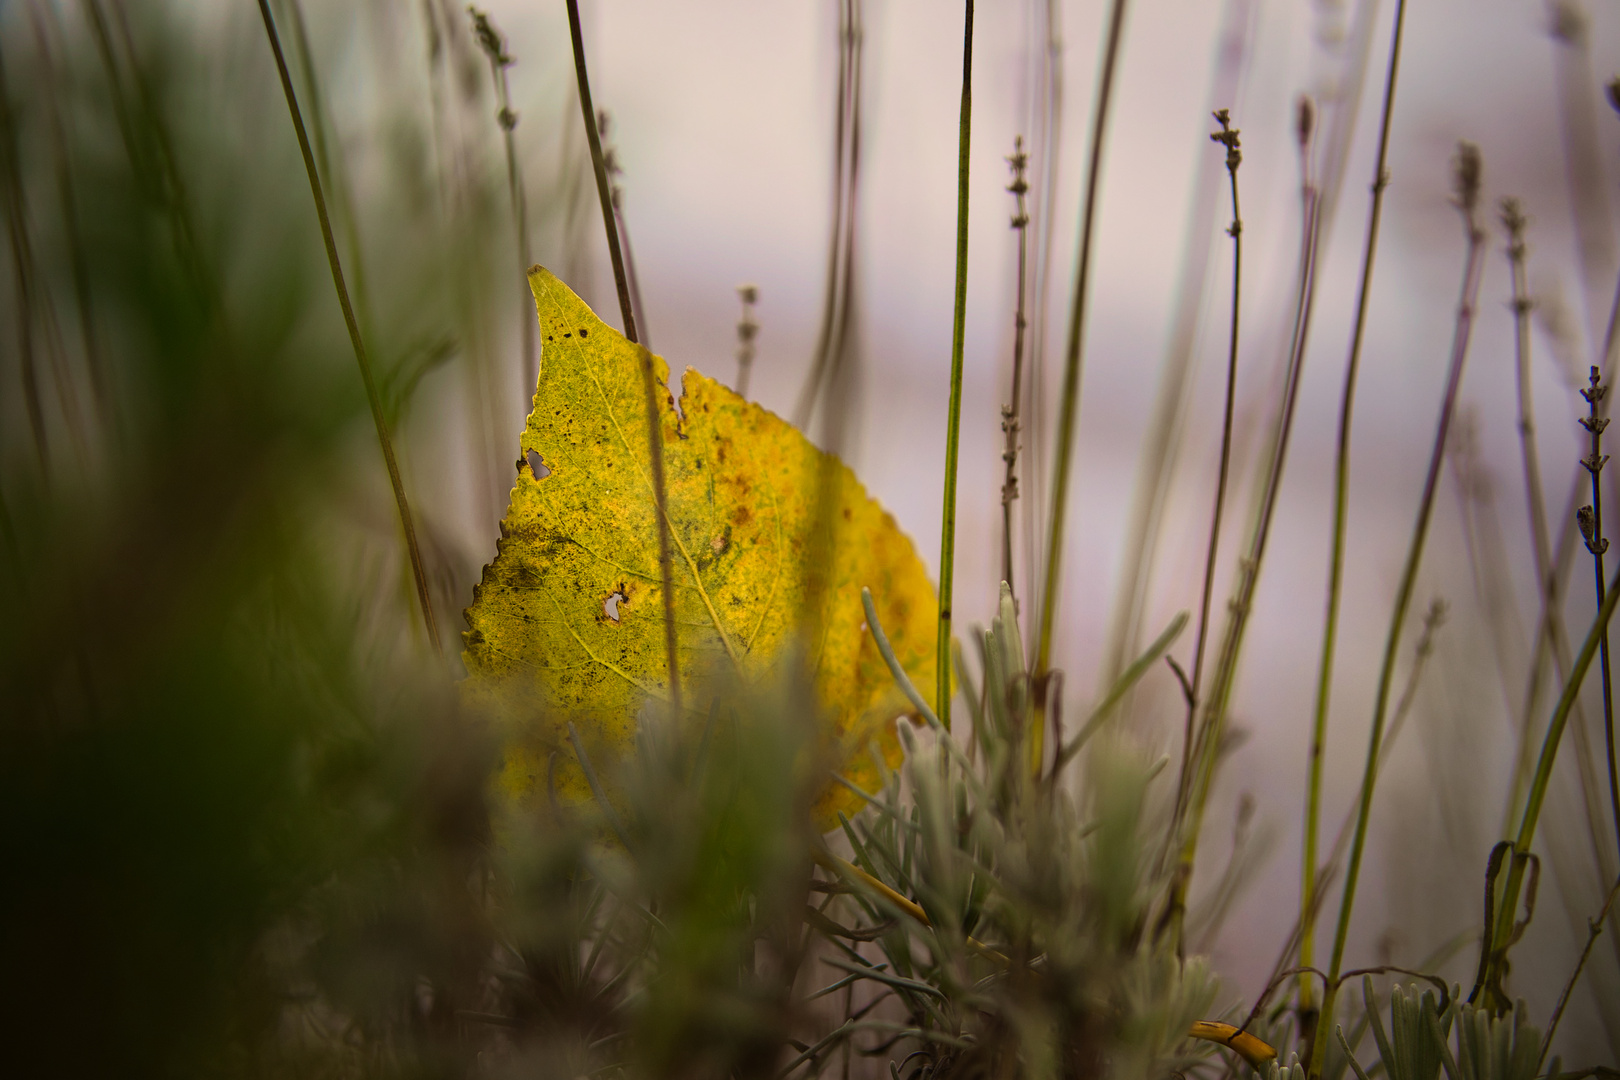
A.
pixel 217 685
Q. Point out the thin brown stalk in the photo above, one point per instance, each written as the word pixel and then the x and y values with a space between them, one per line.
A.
pixel 610 158
pixel 1594 928
pixel 1550 627
pixel 1047 146
pixel 837 292
pixel 1584 170
pixel 1228 137
pixel 747 331
pixel 372 397
pixel 1010 415
pixel 655 428
pixel 493 44
pixel 1161 440
pixel 1249 566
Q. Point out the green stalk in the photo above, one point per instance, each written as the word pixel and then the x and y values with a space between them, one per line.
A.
pixel 947 544
pixel 1341 498
pixel 423 597
pixel 1468 191
pixel 1498 936
pixel 655 429
pixel 1070 407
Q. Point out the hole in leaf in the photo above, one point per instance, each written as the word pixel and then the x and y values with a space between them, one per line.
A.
pixel 610 607
pixel 537 466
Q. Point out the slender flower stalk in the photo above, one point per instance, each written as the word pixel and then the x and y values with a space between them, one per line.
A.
pixel 1172 918
pixel 655 429
pixel 1467 182
pixel 1341 506
pixel 423 597
pixel 838 290
pixel 610 161
pixel 1208 732
pixel 747 331
pixel 947 548
pixel 494 46
pixel 1594 928
pixel 1010 417
pixel 1514 222
pixel 1228 137
pixel 1591 524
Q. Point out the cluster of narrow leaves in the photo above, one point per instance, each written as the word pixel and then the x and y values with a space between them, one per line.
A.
pixel 772 541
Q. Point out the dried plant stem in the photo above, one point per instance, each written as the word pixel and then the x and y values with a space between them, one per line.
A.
pixel 1594 928
pixel 610 162
pixel 1010 415
pixel 1467 190
pixel 494 46
pixel 423 596
pixel 1591 525
pixel 1069 402
pixel 1227 136
pixel 655 428
pixel 1341 500
pixel 339 198
pixel 599 166
pixel 953 429
pixel 1164 433
pixel 1199 763
pixel 1048 139
pixel 839 286
pixel 1514 222
pixel 747 331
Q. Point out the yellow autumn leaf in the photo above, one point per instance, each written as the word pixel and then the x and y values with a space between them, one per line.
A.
pixel 567 623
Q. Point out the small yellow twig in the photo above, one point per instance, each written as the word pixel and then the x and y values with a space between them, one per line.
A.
pixel 1257 1052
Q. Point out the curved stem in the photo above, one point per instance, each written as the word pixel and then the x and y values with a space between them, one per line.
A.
pixel 423 598
pixel 947 544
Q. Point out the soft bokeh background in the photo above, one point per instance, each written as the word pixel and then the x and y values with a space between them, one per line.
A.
pixel 723 117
